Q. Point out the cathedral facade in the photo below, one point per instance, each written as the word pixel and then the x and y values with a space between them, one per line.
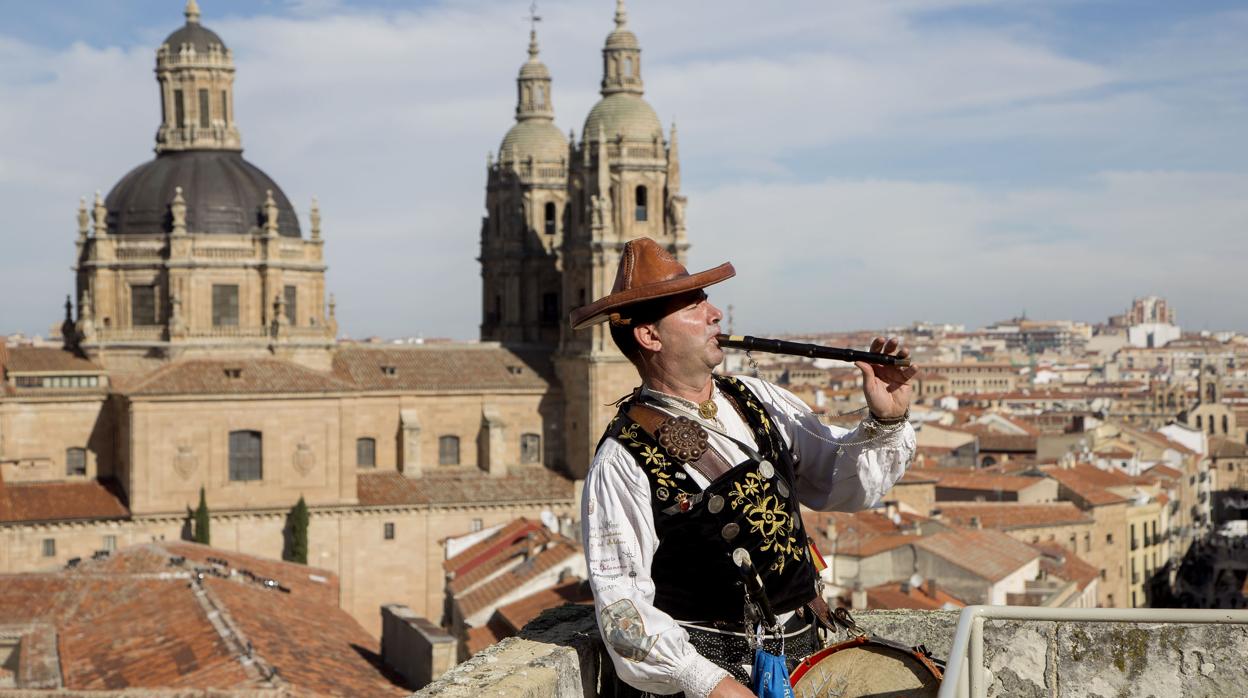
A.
pixel 200 351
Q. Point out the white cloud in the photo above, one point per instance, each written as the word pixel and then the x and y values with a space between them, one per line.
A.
pixel 387 116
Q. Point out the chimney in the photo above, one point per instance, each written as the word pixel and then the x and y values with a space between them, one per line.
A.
pixel 929 588
pixel 831 533
pixel 858 598
pixel 413 647
pixel 975 523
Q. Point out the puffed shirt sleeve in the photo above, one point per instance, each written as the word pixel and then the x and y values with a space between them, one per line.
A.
pixel 651 652
pixel 837 470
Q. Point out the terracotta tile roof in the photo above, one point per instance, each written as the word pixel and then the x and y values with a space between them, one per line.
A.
pixel 47 360
pixel 530 483
pixel 896 595
pixel 1009 516
pixel 487 547
pixel 860 534
pixel 1060 562
pixel 123 628
pixel 444 367
pixel 990 554
pixel 517 614
pixel 254 376
pixel 498 559
pixel 491 591
pixel 1089 483
pixel 1164 472
pixel 979 480
pixel 62 501
pixel 1221 447
pixel 1016 443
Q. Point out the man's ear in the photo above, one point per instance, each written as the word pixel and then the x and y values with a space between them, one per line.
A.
pixel 647 336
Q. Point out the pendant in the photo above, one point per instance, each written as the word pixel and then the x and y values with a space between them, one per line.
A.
pixel 707 410
pixel 683 499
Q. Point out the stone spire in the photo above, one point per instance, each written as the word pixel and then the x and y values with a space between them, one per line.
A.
pixel 195 71
pixel 673 162
pixel 621 57
pixel 315 218
pixel 84 219
pixel 177 209
pixel 101 216
pixel 533 86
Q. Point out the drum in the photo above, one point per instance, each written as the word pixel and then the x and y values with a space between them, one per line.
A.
pixel 864 667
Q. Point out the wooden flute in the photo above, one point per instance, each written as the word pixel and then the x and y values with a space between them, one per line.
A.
pixel 814 351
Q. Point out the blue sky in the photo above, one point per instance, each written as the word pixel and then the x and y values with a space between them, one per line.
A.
pixel 863 162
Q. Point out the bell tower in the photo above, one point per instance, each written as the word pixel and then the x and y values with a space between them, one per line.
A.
pixel 523 231
pixel 624 183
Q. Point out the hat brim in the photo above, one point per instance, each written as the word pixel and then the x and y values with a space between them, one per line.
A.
pixel 601 309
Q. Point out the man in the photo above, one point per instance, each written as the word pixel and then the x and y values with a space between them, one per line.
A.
pixel 697 467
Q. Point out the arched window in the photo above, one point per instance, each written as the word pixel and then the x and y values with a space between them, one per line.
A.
pixel 530 448
pixel 539 96
pixel 628 66
pixel 366 452
pixel 448 450
pixel 246 456
pixel 75 461
pixel 550 217
pixel 641 214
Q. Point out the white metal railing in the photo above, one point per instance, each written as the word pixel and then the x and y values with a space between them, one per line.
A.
pixel 965 675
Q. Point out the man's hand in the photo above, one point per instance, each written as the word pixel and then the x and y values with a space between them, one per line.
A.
pixel 729 687
pixel 887 388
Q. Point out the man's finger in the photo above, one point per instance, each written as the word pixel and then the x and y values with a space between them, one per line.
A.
pixel 891 345
pixel 877 344
pixel 868 371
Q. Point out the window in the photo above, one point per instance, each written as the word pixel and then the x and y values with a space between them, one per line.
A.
pixel 49 547
pixel 448 450
pixel 75 461
pixel 225 104
pixel 179 109
pixel 246 458
pixel 142 306
pixel 550 308
pixel 292 304
pixel 539 99
pixel 476 525
pixel 366 452
pixel 550 217
pixel 388 531
pixel 628 67
pixel 110 543
pixel 1109 539
pixel 204 121
pixel 225 305
pixel 530 448
pixel 640 212
pixel 1226 425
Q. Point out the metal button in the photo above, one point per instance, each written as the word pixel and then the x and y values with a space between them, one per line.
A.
pixel 782 488
pixel 730 531
pixel 766 469
pixel 715 505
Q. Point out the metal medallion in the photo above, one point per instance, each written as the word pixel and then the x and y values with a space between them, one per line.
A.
pixel 707 410
pixel 662 494
pixel 766 469
pixel 730 531
pixel 683 439
pixel 716 504
pixel 782 488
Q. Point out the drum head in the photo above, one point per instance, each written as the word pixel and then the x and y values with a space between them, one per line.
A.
pixel 864 671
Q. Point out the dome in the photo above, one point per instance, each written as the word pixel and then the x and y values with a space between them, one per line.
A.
pixel 622 38
pixel 623 113
pixel 196 35
pixel 537 137
pixel 224 194
pixel 535 70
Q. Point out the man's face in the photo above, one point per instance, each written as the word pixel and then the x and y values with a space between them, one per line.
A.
pixel 687 333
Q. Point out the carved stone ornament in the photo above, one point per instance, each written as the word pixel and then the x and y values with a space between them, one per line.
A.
pixel 683 439
pixel 185 461
pixel 304 459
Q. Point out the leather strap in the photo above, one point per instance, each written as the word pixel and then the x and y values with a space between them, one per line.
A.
pixel 711 464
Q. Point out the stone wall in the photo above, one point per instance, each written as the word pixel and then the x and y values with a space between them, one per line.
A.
pixel 559 654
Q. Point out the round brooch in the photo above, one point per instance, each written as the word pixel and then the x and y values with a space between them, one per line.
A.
pixel 682 438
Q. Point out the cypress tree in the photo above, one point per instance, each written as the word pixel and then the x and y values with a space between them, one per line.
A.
pixel 299 533
pixel 201 520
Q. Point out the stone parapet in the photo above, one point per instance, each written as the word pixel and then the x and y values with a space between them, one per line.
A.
pixel 560 654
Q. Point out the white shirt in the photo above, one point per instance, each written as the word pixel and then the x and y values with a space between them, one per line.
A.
pixel 836 472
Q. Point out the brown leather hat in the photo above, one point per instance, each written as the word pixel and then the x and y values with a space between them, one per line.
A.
pixel 647 271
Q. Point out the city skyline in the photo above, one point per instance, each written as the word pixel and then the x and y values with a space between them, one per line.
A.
pixel 1056 160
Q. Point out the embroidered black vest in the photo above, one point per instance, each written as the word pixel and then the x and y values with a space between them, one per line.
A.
pixel 753 506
